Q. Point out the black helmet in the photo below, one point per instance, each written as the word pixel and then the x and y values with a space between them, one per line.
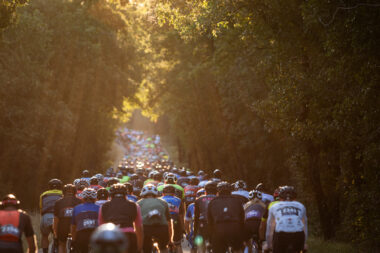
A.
pixel 55 184
pixel 102 194
pixel 169 189
pixel 217 173
pixel 69 189
pixel 118 190
pixel 157 176
pixel 224 188
pixel 211 187
pixel 94 181
pixel 108 238
pixel 10 200
pixel 194 181
pixel 85 173
pixel 129 187
pixel 287 193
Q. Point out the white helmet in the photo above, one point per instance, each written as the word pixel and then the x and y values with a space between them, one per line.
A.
pixel 89 193
pixel 149 189
pixel 255 194
pixel 171 176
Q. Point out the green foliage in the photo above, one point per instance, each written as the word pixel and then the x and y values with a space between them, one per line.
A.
pixel 63 72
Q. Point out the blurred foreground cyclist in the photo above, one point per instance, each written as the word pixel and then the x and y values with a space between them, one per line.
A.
pixel 47 201
pixel 63 212
pixel 13 223
pixel 108 238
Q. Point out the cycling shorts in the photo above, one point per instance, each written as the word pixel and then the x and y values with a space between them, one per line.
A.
pixel 83 240
pixel 227 234
pixel 251 228
pixel 178 232
pixel 46 225
pixel 283 241
pixel 203 230
pixel 159 233
pixel 132 242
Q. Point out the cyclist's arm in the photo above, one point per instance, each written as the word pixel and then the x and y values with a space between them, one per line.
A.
pixel 304 220
pixel 32 242
pixel 55 226
pixel 139 229
pixel 271 223
pixel 170 225
pixel 196 217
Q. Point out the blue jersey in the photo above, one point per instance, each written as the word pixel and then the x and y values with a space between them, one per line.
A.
pixel 85 216
pixel 132 198
pixel 174 204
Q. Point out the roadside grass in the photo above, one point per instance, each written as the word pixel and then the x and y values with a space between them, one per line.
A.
pixel 35 218
pixel 318 245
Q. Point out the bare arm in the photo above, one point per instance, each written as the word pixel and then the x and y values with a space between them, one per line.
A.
pixel 73 231
pixel 55 226
pixel 32 244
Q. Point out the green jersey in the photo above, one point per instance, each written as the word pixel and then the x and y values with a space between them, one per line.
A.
pixel 154 211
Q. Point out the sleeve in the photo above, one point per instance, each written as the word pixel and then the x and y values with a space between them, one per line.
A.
pixel 28 225
pixel 138 220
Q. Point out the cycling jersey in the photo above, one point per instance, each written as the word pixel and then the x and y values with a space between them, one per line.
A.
pixel 267 198
pixel 96 187
pixel 100 202
pixel 48 199
pixel 254 211
pixel 189 217
pixel 190 193
pixel 132 198
pixel 175 206
pixel 63 209
pixel 154 211
pixel 12 224
pixel 85 216
pixel 122 213
pixel 183 181
pixel 243 193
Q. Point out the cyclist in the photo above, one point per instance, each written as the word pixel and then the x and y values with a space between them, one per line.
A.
pixel 81 186
pixel 217 176
pixel 13 223
pixel 130 195
pixel 189 226
pixel 101 181
pixel 47 201
pixel 183 180
pixel 94 183
pixel 226 220
pixel 156 219
pixel 108 238
pixel 287 223
pixel 191 190
pixel 171 179
pixel 201 230
pixel 63 212
pixel 267 198
pixel 254 211
pixel 101 196
pixel 86 175
pixel 125 214
pixel 177 212
pixel 241 190
pixel 84 221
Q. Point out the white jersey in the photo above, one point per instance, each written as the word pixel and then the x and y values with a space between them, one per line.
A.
pixel 267 198
pixel 286 216
pixel 100 202
pixel 241 193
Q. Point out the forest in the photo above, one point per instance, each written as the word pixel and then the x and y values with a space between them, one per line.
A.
pixel 280 92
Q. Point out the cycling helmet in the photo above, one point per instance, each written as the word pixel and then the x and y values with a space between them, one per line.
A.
pixel 112 181
pixel 240 185
pixel 217 173
pixel 85 173
pixel 83 182
pixel 287 193
pixel 260 187
pixel 194 181
pixel 157 176
pixel 134 177
pixel 129 187
pixel 201 173
pixel 211 187
pixel 94 181
pixel 69 189
pixel 151 174
pixel 201 192
pixel 102 194
pixel 255 194
pixel 169 189
pixel 55 184
pixel 10 200
pixel 118 190
pixel 224 188
pixel 88 194
pixel 119 175
pixel 108 238
pixel 182 173
pixel 149 189
pixel 100 177
pixel 170 178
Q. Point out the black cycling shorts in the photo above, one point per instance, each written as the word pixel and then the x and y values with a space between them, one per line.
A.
pixel 132 242
pixel 227 234
pixel 251 228
pixel 283 241
pixel 159 233
pixel 203 230
pixel 82 240
pixel 178 232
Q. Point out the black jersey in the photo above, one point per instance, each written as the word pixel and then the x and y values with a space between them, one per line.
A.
pixel 63 209
pixel 225 209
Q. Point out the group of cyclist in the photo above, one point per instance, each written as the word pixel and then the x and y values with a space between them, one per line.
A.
pixel 152 206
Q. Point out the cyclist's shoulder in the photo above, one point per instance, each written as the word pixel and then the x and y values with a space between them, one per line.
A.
pixel 51 192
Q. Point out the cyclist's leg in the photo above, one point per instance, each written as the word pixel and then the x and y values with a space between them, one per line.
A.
pixel 46 228
pixel 147 242
pixel 161 236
